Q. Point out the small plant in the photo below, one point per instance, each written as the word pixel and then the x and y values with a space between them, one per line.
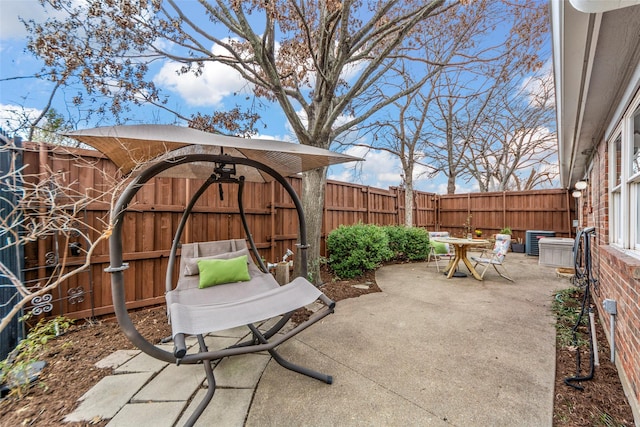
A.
pixel 566 306
pixel 607 420
pixel 506 230
pixel 478 232
pixel 14 370
pixel 467 226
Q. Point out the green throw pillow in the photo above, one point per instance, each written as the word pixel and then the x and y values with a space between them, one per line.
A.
pixel 219 271
pixel 440 248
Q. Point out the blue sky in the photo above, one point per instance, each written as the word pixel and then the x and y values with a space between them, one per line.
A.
pixel 219 88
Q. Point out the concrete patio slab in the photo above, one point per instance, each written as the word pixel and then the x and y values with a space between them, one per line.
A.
pixel 108 396
pixel 458 351
pixel 215 343
pixel 241 371
pixel 116 359
pixel 156 414
pixel 228 408
pixel 173 383
pixel 141 363
pixel 356 398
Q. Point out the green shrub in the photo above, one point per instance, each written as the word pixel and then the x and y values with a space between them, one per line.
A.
pixel 397 240
pixel 355 249
pixel 506 230
pixel 14 370
pixel 410 243
pixel 417 247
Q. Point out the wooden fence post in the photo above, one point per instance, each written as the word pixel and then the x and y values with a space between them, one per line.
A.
pixel 504 209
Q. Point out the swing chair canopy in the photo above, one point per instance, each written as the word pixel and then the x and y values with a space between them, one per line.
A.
pixel 132 146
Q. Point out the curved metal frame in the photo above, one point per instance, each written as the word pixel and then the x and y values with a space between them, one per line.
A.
pixel 117 266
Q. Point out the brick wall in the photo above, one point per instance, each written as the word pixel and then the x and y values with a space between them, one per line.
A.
pixel 618 277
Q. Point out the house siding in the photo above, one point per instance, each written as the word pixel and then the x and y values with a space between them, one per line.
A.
pixel 618 278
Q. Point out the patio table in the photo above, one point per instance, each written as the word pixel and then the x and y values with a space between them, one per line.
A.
pixel 461 247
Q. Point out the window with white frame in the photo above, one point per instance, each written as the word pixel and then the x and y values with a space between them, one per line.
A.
pixel 615 153
pixel 624 181
pixel 634 182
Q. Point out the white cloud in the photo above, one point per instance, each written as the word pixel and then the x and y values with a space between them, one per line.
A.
pixel 441 188
pixel 14 119
pixel 380 169
pixel 342 175
pixel 352 70
pixel 10 25
pixel 538 88
pixel 209 89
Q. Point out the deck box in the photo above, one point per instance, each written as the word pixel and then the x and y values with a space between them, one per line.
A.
pixel 556 252
pixel 532 238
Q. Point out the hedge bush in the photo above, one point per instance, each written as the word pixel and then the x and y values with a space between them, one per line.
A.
pixel 408 243
pixel 397 240
pixel 354 249
pixel 357 248
pixel 417 247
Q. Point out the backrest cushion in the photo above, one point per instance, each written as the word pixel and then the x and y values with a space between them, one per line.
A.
pixel 439 248
pixel 503 241
pixel 191 264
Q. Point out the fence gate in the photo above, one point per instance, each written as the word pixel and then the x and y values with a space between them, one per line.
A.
pixel 11 255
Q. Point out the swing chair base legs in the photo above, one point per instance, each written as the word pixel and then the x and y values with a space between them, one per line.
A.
pixel 211 384
pixel 288 365
pixel 300 369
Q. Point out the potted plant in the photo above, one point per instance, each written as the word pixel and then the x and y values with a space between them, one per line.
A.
pixel 517 246
pixel 478 233
pixel 506 230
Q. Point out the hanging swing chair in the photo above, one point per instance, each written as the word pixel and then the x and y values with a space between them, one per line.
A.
pixel 219 286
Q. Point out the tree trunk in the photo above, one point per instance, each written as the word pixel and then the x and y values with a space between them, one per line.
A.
pixel 313 192
pixel 451 184
pixel 408 202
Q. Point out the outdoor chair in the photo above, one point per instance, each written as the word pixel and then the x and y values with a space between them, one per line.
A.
pixel 220 287
pixel 438 250
pixel 495 257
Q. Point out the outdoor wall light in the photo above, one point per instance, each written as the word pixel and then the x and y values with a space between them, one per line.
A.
pixel 577 194
pixel 581 185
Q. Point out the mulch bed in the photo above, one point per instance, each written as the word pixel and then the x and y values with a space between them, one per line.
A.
pixel 602 402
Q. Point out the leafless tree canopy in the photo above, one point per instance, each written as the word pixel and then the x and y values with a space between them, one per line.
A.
pixel 331 66
pixel 322 61
pixel 441 125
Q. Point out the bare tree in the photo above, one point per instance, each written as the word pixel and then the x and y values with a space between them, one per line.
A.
pixel 42 206
pixel 320 60
pixel 515 148
pixel 405 129
pixel 402 135
pixel 465 94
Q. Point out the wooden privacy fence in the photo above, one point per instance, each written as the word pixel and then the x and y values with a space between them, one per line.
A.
pixel 155 213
